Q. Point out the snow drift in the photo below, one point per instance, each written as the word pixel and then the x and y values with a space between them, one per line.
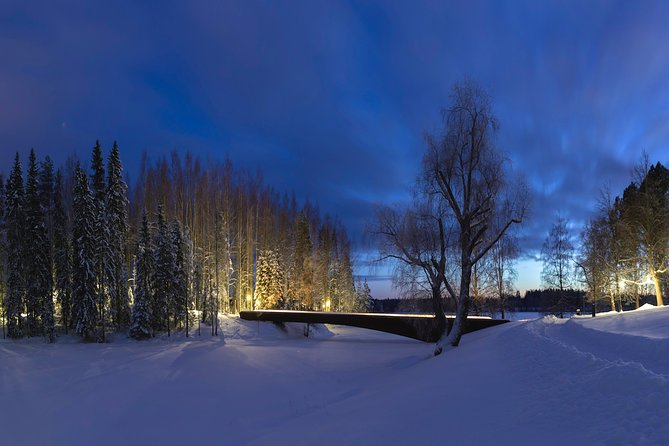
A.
pixel 581 381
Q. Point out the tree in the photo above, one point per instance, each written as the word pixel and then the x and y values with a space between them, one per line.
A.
pixel 116 203
pixel 647 214
pixel 179 294
pixel 502 268
pixel 100 235
pixel 464 168
pixel 141 325
pixel 418 238
pixel 268 280
pixel 364 297
pixel 557 255
pixel 302 269
pixel 3 255
pixel 595 259
pixel 38 274
pixel 162 275
pixel 85 297
pixel 62 249
pixel 15 227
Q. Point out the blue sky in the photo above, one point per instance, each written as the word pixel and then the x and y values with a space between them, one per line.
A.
pixel 332 99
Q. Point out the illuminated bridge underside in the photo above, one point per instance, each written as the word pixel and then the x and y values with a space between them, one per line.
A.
pixel 417 326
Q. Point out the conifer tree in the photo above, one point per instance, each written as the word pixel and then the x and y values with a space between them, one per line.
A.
pixel 84 265
pixel 39 290
pixel 100 234
pixel 179 293
pixel 268 280
pixel 46 196
pixel 117 223
pixel 302 269
pixel 62 255
pixel 141 326
pixel 364 297
pixel 162 275
pixel 15 226
pixel 3 255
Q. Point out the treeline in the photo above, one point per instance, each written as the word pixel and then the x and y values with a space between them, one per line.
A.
pixel 81 251
pixel 625 247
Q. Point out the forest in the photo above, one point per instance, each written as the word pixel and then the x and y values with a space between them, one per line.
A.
pixel 84 250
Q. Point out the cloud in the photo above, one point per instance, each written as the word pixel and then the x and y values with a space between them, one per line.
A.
pixel 331 99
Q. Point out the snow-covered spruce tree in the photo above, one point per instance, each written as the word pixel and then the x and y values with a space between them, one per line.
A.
pixel 84 266
pixel 141 325
pixel 62 249
pixel 117 224
pixel 15 228
pixel 38 278
pixel 363 297
pixel 3 256
pixel 162 275
pixel 46 196
pixel 268 280
pixel 100 235
pixel 179 293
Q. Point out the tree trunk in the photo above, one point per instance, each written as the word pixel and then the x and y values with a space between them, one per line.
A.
pixel 658 290
pixel 453 338
pixel 438 308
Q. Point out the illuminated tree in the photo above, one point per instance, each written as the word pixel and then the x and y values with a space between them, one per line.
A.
pixel 648 217
pixel 268 280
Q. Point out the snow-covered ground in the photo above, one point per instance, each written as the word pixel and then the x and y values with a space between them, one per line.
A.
pixel 546 381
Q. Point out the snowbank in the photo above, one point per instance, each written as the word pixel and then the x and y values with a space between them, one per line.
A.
pixel 578 381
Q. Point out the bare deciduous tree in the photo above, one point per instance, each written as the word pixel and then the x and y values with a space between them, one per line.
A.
pixel 557 255
pixel 466 178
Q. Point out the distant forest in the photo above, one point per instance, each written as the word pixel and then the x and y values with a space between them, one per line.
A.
pixel 83 251
pixel 548 301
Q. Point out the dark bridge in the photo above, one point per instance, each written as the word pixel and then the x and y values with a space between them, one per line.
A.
pixel 417 326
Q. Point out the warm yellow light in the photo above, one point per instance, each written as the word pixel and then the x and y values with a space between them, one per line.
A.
pixel 248 298
pixel 621 284
pixel 327 304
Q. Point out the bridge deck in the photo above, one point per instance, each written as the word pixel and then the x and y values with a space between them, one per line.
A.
pixel 417 326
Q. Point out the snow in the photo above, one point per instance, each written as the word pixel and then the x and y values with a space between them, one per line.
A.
pixel 601 380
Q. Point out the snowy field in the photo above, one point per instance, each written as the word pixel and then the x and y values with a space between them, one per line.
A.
pixel 547 381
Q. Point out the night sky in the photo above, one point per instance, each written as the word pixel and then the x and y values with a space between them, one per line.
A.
pixel 332 99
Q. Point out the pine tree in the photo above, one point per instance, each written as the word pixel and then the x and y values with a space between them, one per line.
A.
pixel 39 293
pixel 140 327
pixel 62 249
pixel 100 235
pixel 117 223
pixel 179 292
pixel 162 276
pixel 84 266
pixel 15 227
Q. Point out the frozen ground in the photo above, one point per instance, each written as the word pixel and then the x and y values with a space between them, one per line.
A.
pixel 548 381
